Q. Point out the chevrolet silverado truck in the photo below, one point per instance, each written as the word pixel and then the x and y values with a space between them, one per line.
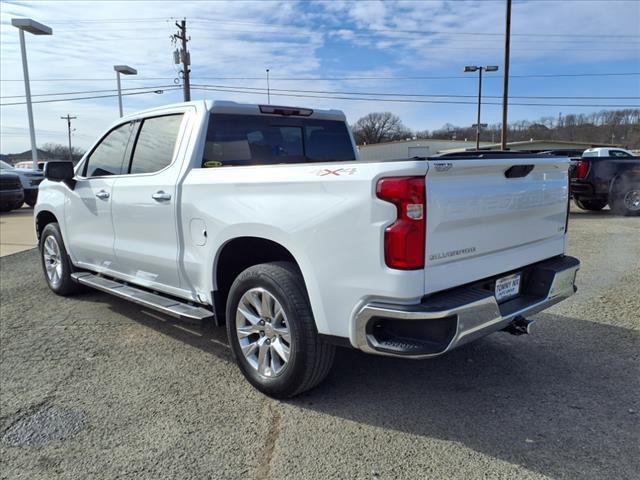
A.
pixel 606 176
pixel 263 218
pixel 29 178
pixel 11 192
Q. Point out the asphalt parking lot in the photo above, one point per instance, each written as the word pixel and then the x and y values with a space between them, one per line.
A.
pixel 94 387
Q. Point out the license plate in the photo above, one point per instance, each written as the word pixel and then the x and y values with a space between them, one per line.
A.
pixel 507 287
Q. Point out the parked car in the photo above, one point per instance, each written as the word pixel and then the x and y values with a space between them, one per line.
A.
pixel 262 217
pixel 11 191
pixel 29 178
pixel 607 176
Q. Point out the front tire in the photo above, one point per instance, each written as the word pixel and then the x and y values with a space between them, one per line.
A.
pixel 56 266
pixel 591 205
pixel 272 331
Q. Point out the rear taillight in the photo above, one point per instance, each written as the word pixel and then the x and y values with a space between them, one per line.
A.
pixel 404 240
pixel 582 169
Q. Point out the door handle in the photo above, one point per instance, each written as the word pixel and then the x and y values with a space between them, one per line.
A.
pixel 161 196
pixel 102 195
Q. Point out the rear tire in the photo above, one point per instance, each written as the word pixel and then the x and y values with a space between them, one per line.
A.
pixel 592 205
pixel 56 266
pixel 272 331
pixel 625 197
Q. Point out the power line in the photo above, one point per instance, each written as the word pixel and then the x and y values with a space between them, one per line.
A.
pixel 401 100
pixel 91 98
pixel 416 32
pixel 84 79
pixel 84 92
pixel 430 95
pixel 340 78
pixel 290 28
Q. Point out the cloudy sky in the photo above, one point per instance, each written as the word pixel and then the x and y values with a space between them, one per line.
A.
pixel 317 49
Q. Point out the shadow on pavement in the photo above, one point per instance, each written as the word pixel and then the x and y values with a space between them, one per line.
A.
pixel 206 337
pixel 562 402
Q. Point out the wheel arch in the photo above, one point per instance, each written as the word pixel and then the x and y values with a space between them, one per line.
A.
pixel 44 218
pixel 238 254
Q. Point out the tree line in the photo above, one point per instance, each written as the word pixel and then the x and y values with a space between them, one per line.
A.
pixel 607 126
pixel 48 151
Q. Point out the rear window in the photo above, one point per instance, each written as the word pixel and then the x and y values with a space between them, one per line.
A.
pixel 236 140
pixel 155 144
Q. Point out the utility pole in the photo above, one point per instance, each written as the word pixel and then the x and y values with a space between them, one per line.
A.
pixel 68 118
pixel 505 91
pixel 182 56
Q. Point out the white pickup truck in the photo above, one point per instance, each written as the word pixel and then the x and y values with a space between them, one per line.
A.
pixel 263 218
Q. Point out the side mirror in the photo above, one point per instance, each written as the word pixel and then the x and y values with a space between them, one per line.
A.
pixel 59 171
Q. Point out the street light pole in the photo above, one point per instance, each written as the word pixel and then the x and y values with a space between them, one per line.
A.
pixel 125 70
pixel 268 89
pixel 479 69
pixel 479 104
pixel 119 93
pixel 35 28
pixel 27 91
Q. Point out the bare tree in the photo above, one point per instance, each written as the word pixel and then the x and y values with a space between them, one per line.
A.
pixel 379 127
pixel 55 151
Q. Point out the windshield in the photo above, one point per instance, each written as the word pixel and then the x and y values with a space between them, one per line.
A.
pixel 5 166
pixel 235 140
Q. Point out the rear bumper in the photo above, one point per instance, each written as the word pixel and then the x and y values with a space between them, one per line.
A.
pixel 452 318
pixel 579 189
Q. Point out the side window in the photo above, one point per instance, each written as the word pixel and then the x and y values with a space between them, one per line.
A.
pixel 108 157
pixel 155 144
pixel 619 153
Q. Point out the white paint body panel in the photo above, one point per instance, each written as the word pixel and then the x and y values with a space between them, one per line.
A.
pixel 332 225
pixel 480 223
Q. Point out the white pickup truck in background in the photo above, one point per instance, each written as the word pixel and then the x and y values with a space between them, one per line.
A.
pixel 263 218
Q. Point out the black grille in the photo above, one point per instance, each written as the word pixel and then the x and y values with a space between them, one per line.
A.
pixel 9 183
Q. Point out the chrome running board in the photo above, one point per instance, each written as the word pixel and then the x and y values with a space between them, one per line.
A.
pixel 155 301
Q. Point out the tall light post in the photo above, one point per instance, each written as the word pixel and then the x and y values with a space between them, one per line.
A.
pixel 35 28
pixel 124 70
pixel 268 89
pixel 479 69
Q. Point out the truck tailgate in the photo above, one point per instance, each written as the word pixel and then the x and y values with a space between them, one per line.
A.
pixel 490 216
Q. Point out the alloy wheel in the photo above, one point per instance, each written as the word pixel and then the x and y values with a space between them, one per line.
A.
pixel 263 332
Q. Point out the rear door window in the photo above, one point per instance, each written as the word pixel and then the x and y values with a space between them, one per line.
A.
pixel 235 140
pixel 619 154
pixel 155 144
pixel 108 157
